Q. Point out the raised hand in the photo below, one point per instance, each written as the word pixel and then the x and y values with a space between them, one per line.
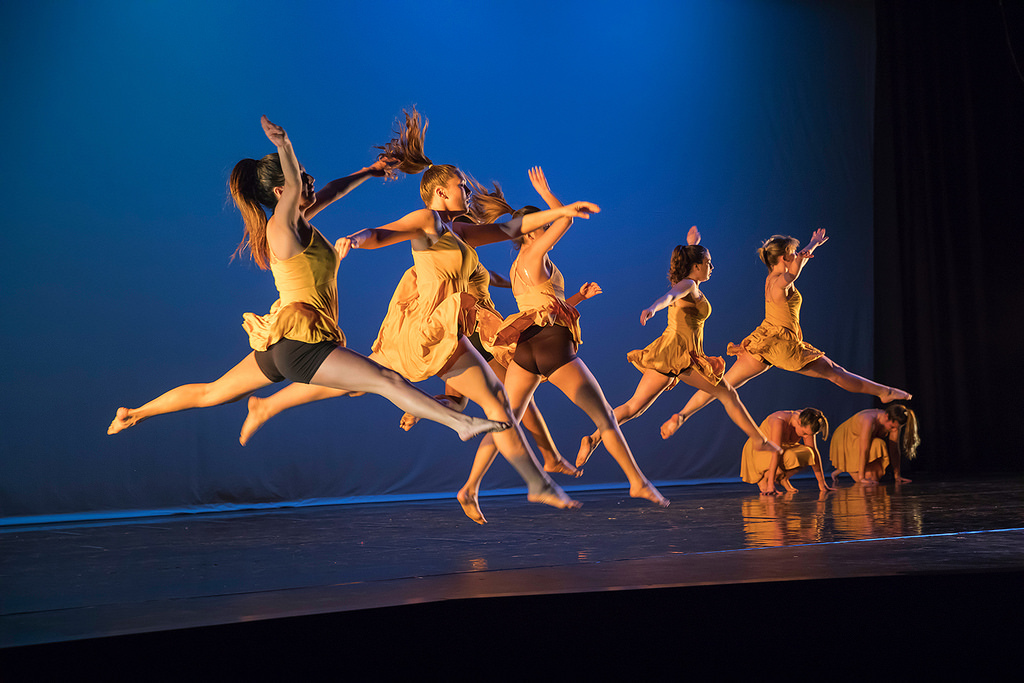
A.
pixel 646 315
pixel 817 239
pixel 274 132
pixel 540 183
pixel 693 236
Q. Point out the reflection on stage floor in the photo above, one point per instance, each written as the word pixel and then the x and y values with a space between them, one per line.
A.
pixel 71 581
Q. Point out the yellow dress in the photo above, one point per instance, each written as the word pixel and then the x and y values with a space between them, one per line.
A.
pixel 542 304
pixel 488 319
pixel 681 345
pixel 430 309
pixel 307 307
pixel 845 449
pixel 754 463
pixel 779 340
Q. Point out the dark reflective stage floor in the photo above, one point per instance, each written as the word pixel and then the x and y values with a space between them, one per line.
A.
pixel 77 581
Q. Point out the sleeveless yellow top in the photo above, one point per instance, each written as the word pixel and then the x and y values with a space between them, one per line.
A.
pixel 681 345
pixel 307 307
pixel 779 340
pixel 542 304
pixel 429 310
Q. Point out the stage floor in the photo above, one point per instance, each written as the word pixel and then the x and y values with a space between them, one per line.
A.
pixel 89 580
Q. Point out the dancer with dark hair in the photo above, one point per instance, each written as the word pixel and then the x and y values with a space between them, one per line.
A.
pixel 545 335
pixel 432 311
pixel 678 354
pixel 872 441
pixel 779 340
pixel 796 431
pixel 299 339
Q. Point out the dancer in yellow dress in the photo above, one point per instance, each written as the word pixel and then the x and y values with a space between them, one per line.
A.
pixel 432 311
pixel 299 339
pixel 678 354
pixel 779 341
pixel 872 441
pixel 545 335
pixel 796 431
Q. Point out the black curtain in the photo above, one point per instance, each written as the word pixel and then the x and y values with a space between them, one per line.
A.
pixel 949 213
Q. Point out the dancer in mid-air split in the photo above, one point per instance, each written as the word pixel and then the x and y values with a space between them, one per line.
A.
pixel 796 431
pixel 299 339
pixel 779 341
pixel 872 441
pixel 545 335
pixel 431 312
pixel 678 354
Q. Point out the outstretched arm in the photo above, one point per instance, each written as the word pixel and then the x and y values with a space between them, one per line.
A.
pixel 336 189
pixel 681 288
pixel 801 258
pixel 489 233
pixel 412 226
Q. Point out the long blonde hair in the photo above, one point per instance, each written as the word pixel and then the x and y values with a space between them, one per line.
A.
pixel 407 148
pixel 905 417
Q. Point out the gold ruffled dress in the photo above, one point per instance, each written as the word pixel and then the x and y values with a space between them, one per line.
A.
pixel 431 308
pixel 542 304
pixel 681 345
pixel 779 340
pixel 307 307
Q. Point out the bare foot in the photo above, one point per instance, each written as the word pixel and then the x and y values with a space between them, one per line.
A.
pixel 477 426
pixel 554 496
pixel 789 487
pixel 650 493
pixel 766 487
pixel 560 466
pixel 122 420
pixel 408 421
pixel 256 418
pixel 471 506
pixel 835 476
pixel 672 425
pixel 894 394
pixel 588 445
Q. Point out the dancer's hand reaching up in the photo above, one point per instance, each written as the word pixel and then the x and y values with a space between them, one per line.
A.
pixel 274 132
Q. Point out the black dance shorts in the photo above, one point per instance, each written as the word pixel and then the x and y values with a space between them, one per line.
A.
pixel 542 350
pixel 474 339
pixel 294 360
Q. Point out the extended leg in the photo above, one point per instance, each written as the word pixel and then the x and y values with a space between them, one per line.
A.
pixel 471 377
pixel 235 384
pixel 652 384
pixel 827 369
pixel 745 368
pixel 576 382
pixel 730 400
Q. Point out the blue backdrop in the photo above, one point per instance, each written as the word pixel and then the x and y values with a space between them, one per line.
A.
pixel 123 120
